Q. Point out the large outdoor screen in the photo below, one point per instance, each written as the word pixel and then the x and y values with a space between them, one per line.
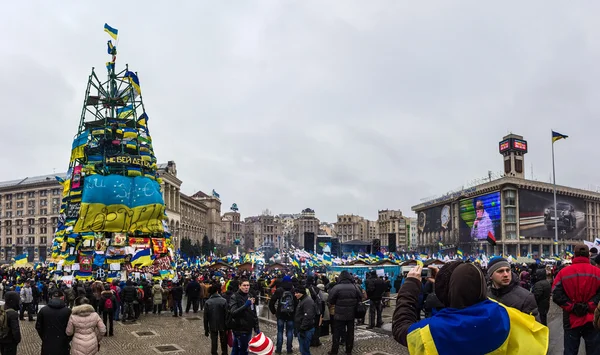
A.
pixel 537 217
pixel 435 219
pixel 480 216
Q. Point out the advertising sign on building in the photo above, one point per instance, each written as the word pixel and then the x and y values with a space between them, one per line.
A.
pixel 480 216
pixel 435 219
pixel 537 217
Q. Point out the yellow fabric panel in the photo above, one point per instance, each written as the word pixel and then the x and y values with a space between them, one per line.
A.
pixel 66 186
pixel 526 336
pixel 420 341
pixel 78 153
pixel 96 217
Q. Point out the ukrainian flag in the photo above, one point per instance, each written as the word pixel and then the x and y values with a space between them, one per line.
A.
pixel 124 112
pixel 113 32
pixel 143 258
pixel 557 136
pixel 135 82
pixel 78 146
pixel 142 121
pixel 489 328
pixel 459 252
pixel 20 259
pixel 110 48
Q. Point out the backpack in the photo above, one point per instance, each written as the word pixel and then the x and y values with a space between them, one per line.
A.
pixel 4 328
pixel 108 304
pixel 286 303
pixel 318 302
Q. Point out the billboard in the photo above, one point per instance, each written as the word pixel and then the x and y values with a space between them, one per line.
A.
pixel 536 215
pixel 480 216
pixel 435 219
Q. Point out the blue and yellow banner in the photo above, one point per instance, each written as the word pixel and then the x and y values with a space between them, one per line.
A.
pixel 557 136
pixel 113 32
pixel 135 82
pixel 117 203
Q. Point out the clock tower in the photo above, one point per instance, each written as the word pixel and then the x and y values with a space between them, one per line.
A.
pixel 513 149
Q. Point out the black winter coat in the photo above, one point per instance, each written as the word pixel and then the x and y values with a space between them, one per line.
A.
pixel 244 317
pixel 344 296
pixel 177 293
pixel 541 291
pixel 375 288
pixel 193 290
pixel 215 310
pixel 285 286
pixel 11 305
pixel 51 325
pixel 305 314
pixel 515 296
pixel 129 294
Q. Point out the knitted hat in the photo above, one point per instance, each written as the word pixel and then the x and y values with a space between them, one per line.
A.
pixel 287 278
pixel 261 345
pixel 300 289
pixel 495 264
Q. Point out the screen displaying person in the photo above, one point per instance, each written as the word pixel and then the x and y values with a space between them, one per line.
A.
pixel 483 223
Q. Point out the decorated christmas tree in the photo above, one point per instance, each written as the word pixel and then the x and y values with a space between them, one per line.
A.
pixel 112 218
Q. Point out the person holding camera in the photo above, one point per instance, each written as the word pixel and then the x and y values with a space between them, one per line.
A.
pixel 242 310
pixel 576 290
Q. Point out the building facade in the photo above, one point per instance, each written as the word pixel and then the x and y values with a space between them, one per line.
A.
pixel 171 187
pixel 411 232
pixel 392 225
pixel 231 228
pixel 29 211
pixel 351 227
pixel 517 213
pixel 373 230
pixel 213 214
pixel 264 231
pixel 193 219
pixel 307 222
pixel 30 207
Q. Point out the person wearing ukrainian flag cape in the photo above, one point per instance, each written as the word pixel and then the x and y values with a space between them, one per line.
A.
pixel 471 323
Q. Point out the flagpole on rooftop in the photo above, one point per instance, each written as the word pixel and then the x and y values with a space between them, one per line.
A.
pixel 555 210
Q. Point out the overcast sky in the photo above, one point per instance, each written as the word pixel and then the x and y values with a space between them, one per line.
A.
pixel 340 106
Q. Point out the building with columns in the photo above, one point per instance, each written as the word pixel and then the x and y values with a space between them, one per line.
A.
pixel 171 187
pixel 518 213
pixel 29 210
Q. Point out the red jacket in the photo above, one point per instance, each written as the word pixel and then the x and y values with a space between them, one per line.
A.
pixel 577 284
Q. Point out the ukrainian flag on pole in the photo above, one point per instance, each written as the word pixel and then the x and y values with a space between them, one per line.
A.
pixel 557 136
pixel 20 259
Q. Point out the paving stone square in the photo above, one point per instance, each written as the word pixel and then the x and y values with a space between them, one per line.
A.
pixel 165 334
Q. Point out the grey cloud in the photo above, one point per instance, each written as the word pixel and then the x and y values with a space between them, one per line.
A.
pixel 344 107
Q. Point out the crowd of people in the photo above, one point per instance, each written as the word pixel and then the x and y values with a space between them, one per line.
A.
pixel 461 308
pixel 501 309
